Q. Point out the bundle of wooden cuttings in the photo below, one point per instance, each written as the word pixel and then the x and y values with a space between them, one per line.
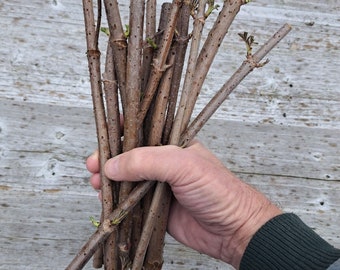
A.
pixel 142 82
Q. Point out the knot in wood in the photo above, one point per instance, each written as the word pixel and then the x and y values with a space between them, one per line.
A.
pixel 160 68
pixel 121 42
pixel 254 63
pixel 93 53
pixel 200 19
pixel 182 40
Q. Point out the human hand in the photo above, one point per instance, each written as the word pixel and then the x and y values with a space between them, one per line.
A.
pixel 213 212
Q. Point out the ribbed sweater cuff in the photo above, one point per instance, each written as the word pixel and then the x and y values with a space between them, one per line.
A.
pixel 285 242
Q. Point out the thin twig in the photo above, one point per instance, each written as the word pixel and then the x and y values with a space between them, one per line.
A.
pixel 154 139
pixel 150 31
pixel 148 229
pixel 161 203
pixel 109 225
pixel 155 226
pixel 99 255
pixel 207 54
pixel 252 62
pixel 133 75
pixel 131 127
pixel 93 55
pixel 190 71
pixel 153 125
pixel 160 105
pixel 113 122
pixel 118 43
pixel 180 46
pixel 112 104
pixel 159 63
pixel 163 20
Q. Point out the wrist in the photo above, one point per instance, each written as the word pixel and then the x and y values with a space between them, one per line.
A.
pixel 254 211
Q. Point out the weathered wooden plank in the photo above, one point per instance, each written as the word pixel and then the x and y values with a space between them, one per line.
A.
pixel 43 139
pixel 300 81
pixel 299 152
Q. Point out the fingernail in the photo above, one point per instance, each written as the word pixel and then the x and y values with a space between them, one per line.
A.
pixel 96 154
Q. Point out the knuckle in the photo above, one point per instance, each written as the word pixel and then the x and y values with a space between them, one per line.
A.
pixel 135 161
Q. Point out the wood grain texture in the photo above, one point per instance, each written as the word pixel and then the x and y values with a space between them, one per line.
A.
pixel 279 131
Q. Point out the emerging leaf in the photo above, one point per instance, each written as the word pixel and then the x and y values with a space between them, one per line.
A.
pixel 94 222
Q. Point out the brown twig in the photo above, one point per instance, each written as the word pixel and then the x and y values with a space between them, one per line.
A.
pixel 159 63
pixel 161 203
pixel 153 126
pixel 160 105
pixel 93 55
pixel 208 52
pixel 113 116
pixel 109 225
pixel 252 62
pixel 112 104
pixel 131 127
pixel 190 71
pixel 163 20
pixel 99 255
pixel 133 75
pixel 149 229
pixel 155 136
pixel 118 43
pixel 150 32
pixel 155 226
pixel 180 47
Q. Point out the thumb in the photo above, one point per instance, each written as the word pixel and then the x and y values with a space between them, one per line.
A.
pixel 161 163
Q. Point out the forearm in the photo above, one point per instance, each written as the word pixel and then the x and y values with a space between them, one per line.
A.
pixel 285 242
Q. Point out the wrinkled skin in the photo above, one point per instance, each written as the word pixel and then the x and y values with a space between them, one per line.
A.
pixel 213 212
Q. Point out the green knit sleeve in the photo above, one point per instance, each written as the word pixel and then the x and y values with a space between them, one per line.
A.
pixel 285 242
